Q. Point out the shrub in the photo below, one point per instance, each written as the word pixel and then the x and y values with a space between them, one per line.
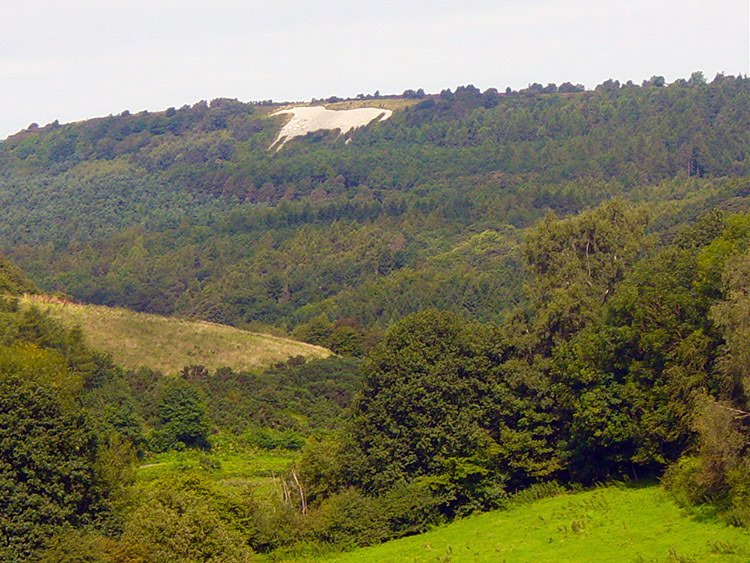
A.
pixel 81 546
pixel 186 520
pixel 351 518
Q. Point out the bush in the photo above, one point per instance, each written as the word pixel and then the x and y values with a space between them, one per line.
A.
pixel 688 482
pixel 350 518
pixel 682 480
pixel 322 467
pixel 273 525
pixel 186 520
pixel 80 546
pixel 719 472
pixel 738 506
pixel 410 508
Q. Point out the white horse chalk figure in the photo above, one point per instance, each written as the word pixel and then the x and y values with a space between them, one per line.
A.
pixel 315 118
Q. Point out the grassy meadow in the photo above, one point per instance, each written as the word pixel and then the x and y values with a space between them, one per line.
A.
pixel 168 344
pixel 608 524
pixel 232 472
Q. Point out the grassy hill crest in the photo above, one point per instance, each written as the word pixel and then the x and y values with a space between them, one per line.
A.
pixel 168 344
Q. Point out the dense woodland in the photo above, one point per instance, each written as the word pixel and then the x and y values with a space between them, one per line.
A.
pixel 186 211
pixel 527 290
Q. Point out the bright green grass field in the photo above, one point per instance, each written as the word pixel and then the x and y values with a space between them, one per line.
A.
pixel 607 524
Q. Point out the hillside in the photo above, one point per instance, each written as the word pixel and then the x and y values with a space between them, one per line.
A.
pixel 306 120
pixel 186 211
pixel 608 524
pixel 166 344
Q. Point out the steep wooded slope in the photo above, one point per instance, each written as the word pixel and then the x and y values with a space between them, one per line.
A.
pixel 186 211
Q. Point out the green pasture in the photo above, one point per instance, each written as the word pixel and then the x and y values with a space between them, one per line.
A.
pixel 608 524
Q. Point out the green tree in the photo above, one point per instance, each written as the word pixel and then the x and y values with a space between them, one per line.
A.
pixel 183 418
pixel 187 521
pixel 13 280
pixel 632 378
pixel 48 452
pixel 648 371
pixel 718 468
pixel 317 330
pixel 422 412
pixel 576 263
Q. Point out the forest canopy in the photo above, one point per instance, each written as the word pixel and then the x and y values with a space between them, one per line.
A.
pixel 186 211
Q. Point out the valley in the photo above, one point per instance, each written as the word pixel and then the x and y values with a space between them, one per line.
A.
pixel 461 326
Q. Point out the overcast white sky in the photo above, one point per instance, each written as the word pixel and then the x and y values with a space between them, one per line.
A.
pixel 74 59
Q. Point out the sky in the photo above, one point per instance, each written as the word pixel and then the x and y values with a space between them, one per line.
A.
pixel 75 59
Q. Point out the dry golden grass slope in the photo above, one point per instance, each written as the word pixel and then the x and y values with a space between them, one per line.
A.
pixel 167 344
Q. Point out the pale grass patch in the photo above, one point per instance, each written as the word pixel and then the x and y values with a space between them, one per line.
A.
pixel 168 344
pixel 393 104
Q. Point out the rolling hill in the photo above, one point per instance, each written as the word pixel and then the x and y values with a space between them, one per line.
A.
pixel 523 289
pixel 167 344
pixel 186 212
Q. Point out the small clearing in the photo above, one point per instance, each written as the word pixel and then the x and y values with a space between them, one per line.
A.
pixel 307 119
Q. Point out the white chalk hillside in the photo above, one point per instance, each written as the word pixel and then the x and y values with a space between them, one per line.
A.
pixel 315 118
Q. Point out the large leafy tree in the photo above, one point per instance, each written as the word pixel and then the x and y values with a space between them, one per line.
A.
pixel 717 469
pixel 424 392
pixel 575 264
pixel 629 378
pixel 56 470
pixel 48 451
pixel 633 381
pixel 439 405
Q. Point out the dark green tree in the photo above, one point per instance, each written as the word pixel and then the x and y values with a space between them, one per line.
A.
pixel 636 377
pixel 576 263
pixel 717 469
pixel 48 452
pixel 183 419
pixel 423 409
pixel 13 280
